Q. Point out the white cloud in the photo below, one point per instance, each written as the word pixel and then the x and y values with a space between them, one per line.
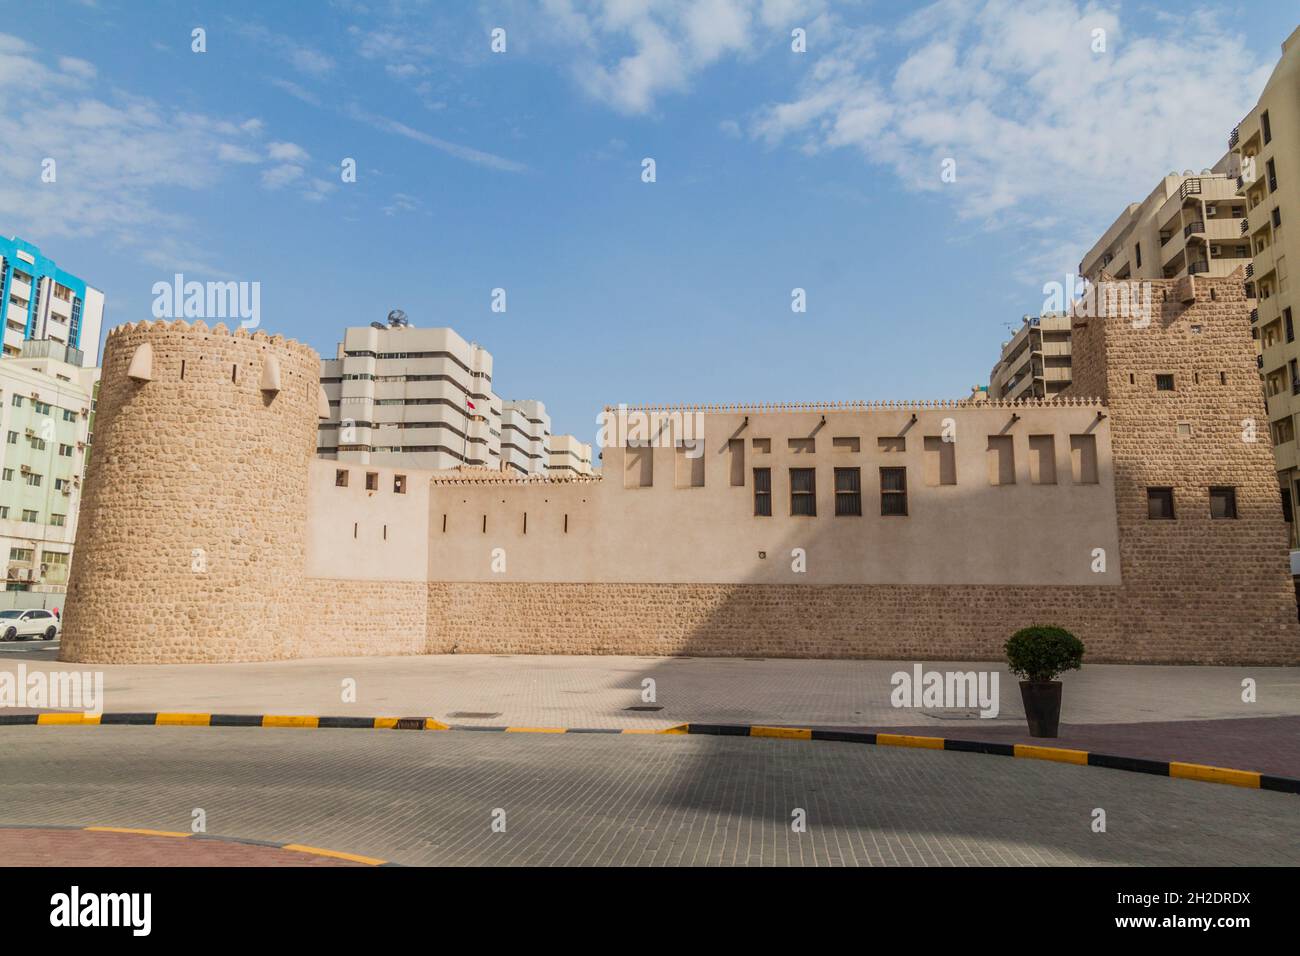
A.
pixel 630 53
pixel 230 153
pixel 295 90
pixel 303 58
pixel 287 152
pixel 277 176
pixel 77 67
pixel 467 153
pixel 1042 129
pixel 115 154
pixel 402 202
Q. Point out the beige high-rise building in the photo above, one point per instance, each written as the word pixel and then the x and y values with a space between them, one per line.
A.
pixel 1267 143
pixel 1035 362
pixel 419 398
pixel 569 457
pixel 1190 224
pixel 525 437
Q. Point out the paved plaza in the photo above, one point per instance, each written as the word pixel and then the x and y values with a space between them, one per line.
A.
pixel 1193 714
pixel 431 798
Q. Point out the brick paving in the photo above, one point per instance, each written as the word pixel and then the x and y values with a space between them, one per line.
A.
pixel 1182 713
pixel 65 847
pixel 541 690
pixel 429 798
pixel 1265 744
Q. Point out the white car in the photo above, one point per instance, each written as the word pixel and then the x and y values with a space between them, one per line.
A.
pixel 15 625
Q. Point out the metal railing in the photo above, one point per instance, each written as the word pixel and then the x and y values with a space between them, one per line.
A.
pixel 1190 187
pixel 1191 227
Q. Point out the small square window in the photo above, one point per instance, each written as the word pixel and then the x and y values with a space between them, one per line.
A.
pixel 372 481
pixel 1223 502
pixel 1164 383
pixel 341 478
pixel 1160 503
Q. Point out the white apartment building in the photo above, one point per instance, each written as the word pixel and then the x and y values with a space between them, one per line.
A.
pixel 40 301
pixel 569 457
pixel 46 419
pixel 1267 142
pixel 421 398
pixel 525 437
pixel 1035 362
pixel 1190 224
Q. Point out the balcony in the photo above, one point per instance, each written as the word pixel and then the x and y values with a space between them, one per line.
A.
pixel 1190 187
pixel 52 348
pixel 1254 316
pixel 1250 270
pixel 1245 226
pixel 1191 227
pixel 1234 137
pixel 1194 268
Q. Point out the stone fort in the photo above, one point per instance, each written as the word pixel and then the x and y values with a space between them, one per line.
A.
pixel 1140 510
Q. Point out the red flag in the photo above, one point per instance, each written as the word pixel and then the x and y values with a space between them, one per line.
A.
pixel 469 403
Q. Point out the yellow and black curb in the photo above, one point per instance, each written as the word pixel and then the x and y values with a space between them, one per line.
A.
pixel 201 837
pixel 1084 758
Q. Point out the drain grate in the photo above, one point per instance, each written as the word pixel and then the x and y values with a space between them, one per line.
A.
pixel 643 707
pixel 410 723
pixel 474 714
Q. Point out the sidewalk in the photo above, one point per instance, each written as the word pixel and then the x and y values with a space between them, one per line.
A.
pixel 1164 712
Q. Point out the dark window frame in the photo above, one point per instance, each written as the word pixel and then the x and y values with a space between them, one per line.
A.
pixel 890 496
pixel 848 499
pixel 805 497
pixel 1163 494
pixel 1229 494
pixel 762 492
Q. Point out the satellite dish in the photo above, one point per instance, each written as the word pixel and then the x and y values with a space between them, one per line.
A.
pixel 397 319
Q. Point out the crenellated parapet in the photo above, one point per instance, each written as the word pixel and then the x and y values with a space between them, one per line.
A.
pixel 760 408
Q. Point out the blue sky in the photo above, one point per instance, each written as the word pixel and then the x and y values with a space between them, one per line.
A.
pixel 522 170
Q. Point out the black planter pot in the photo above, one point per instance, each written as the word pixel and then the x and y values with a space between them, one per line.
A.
pixel 1042 706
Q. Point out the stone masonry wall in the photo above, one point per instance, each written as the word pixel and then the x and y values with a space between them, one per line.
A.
pixel 1219 586
pixel 191 541
pixel 201 458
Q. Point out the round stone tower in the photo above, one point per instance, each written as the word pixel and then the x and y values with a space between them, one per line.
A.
pixel 191 541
